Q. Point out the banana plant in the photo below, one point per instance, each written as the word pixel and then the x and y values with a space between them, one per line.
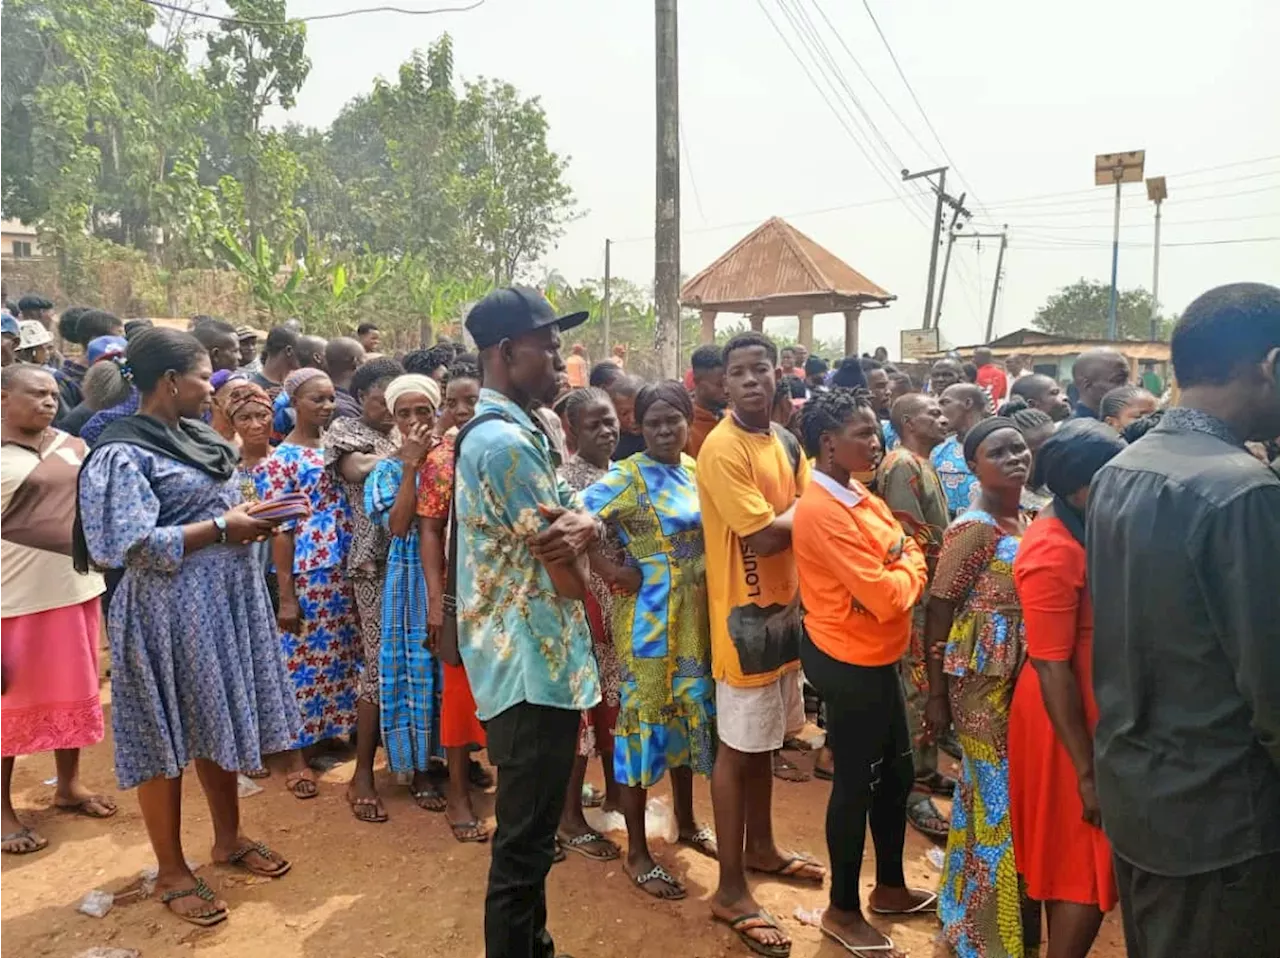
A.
pixel 261 269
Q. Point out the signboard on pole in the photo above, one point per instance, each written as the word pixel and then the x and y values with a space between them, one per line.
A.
pixel 917 343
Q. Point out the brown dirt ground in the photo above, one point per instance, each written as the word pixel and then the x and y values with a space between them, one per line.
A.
pixel 395 890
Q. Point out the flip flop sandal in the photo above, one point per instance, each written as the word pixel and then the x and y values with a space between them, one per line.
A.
pixel 559 855
pixel 824 774
pixel 658 873
pixel 744 924
pixel 240 859
pixel 259 773
pixel 592 797
pixel 201 891
pixel 860 951
pixel 23 834
pixel 82 807
pixel 926 907
pixel 295 779
pixel 793 869
pixel 430 794
pixel 478 775
pixel 579 845
pixel 377 816
pixel 781 765
pixel 699 839
pixel 921 812
pixel 941 785
pixel 471 831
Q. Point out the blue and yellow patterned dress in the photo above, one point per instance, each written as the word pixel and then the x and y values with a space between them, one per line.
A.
pixel 979 899
pixel 667 707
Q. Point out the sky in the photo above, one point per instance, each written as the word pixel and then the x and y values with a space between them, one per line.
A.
pixel 1021 96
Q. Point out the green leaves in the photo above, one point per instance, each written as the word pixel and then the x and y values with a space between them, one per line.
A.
pixel 1081 310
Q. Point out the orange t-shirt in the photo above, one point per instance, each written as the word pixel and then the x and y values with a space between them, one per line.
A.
pixel 575 367
pixel 703 422
pixel 746 480
pixel 860 574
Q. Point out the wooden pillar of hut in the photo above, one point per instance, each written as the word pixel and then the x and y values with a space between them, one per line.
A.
pixel 757 322
pixel 851 331
pixel 806 328
pixel 708 326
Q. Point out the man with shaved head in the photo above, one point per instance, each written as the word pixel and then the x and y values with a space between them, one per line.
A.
pixel 1096 373
pixel 945 372
pixel 343 356
pixel 964 405
pixel 909 484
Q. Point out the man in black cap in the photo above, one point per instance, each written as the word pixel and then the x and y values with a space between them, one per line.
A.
pixel 518 579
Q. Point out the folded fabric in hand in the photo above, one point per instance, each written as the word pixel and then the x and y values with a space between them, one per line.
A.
pixel 282 508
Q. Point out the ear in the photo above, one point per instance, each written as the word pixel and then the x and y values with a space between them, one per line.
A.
pixel 1271 367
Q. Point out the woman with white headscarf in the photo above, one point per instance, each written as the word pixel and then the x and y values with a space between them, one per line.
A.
pixel 409 676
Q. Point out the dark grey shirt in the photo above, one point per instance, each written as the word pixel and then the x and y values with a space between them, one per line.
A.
pixel 1183 540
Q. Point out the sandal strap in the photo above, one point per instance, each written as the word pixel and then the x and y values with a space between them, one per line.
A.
pixel 704 834
pixel 200 890
pixel 244 850
pixel 660 873
pixel 586 838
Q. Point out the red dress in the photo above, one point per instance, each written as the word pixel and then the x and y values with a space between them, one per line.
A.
pixel 1062 857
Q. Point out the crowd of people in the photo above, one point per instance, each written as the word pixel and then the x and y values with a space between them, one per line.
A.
pixel 301 546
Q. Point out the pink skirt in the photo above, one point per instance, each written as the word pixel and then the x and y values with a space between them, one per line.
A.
pixel 51 695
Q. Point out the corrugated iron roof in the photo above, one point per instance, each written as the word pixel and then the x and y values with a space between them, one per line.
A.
pixel 1157 352
pixel 777 265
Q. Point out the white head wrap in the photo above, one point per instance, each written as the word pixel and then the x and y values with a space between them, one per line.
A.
pixel 412 383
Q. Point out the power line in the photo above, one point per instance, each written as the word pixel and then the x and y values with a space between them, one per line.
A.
pixel 688 163
pixel 831 106
pixel 1089 246
pixel 920 106
pixel 237 21
pixel 1168 223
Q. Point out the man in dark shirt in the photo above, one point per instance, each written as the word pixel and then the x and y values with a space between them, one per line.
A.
pixel 1097 372
pixel 343 356
pixel 279 359
pixel 1184 566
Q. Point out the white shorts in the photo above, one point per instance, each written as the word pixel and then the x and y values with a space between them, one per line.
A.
pixel 760 719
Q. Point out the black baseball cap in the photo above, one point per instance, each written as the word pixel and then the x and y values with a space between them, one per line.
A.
pixel 513 311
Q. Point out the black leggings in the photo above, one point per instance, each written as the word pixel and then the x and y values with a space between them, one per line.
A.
pixel 871 749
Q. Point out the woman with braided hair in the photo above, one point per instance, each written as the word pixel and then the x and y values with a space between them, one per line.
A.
pixel 1036 427
pixel 860 577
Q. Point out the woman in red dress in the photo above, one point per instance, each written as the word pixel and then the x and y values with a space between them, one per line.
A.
pixel 1058 841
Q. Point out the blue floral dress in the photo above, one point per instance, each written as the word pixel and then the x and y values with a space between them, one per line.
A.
pixel 197 670
pixel 662 634
pixel 408 674
pixel 324 654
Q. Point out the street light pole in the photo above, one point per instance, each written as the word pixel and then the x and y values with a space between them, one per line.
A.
pixel 1115 260
pixel 1157 191
pixel 1117 168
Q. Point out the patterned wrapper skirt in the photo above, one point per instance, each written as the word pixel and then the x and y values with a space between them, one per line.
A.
pixel 979 901
pixel 368 593
pixel 51 674
pixel 324 655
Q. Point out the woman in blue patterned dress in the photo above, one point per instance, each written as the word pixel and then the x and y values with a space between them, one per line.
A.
pixel 409 678
pixel 660 628
pixel 197 671
pixel 317 615
pixel 974 639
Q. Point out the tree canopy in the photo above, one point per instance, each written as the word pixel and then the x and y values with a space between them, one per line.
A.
pixel 1081 311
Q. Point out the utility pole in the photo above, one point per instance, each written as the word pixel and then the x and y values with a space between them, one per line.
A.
pixel 946 261
pixel 608 344
pixel 666 239
pixel 1117 168
pixel 995 285
pixel 940 188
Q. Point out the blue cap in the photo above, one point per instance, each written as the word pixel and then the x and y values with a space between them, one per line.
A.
pixel 100 347
pixel 513 311
pixel 9 326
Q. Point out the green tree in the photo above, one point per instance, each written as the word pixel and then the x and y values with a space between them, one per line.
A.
pixel 256 61
pixel 1081 310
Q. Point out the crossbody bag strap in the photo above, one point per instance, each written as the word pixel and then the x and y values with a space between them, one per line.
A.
pixel 448 647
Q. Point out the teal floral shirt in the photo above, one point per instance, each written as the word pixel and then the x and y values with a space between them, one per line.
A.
pixel 519 640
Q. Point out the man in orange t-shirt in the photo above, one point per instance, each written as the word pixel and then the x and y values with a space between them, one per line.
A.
pixel 575 365
pixel 749 475
pixel 706 383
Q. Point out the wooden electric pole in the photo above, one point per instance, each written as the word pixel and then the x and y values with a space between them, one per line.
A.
pixel 666 233
pixel 1003 237
pixel 607 306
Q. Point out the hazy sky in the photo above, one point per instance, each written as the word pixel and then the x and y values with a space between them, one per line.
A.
pixel 1022 95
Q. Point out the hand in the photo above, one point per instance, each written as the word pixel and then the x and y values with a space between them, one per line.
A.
pixel 569 535
pixel 628 580
pixel 415 446
pixel 937 715
pixel 895 552
pixel 1089 799
pixel 435 626
pixel 444 422
pixel 243 527
pixel 289 616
